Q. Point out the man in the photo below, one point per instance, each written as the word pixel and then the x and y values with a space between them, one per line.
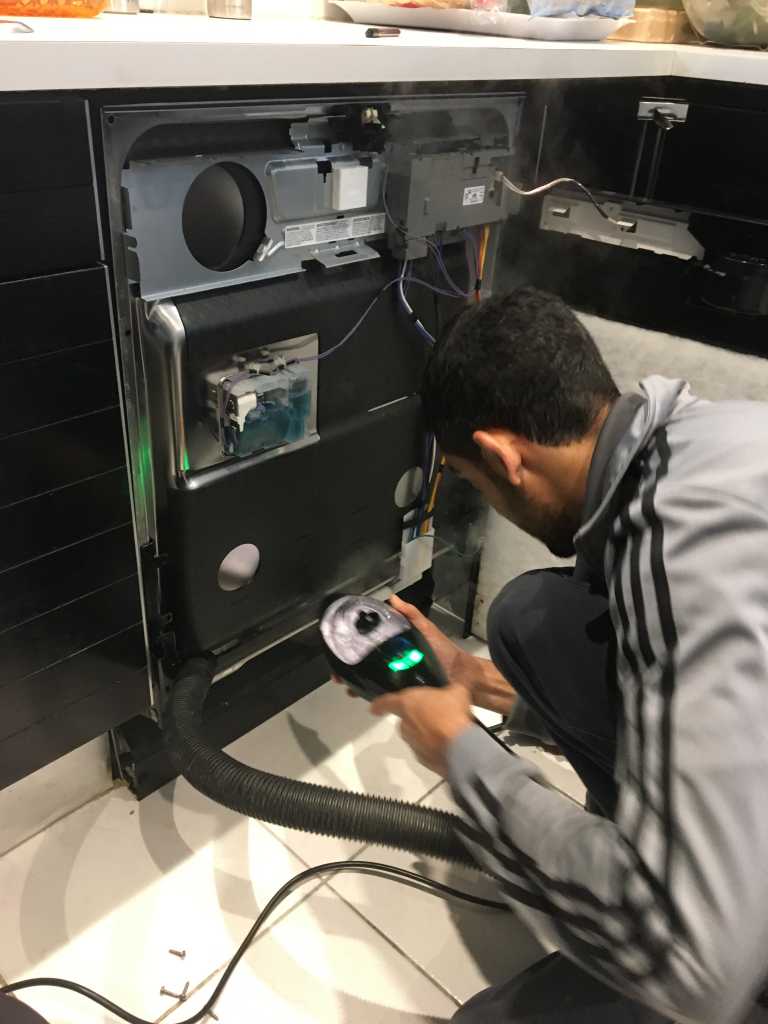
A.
pixel 647 666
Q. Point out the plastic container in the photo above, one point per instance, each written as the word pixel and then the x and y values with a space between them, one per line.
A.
pixel 730 22
pixel 51 8
pixel 229 9
pixel 656 25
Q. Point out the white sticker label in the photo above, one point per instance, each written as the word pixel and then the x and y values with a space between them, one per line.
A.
pixel 473 195
pixel 299 234
pixel 371 224
pixel 333 230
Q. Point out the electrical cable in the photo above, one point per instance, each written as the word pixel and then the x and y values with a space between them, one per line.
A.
pixel 421 283
pixel 473 247
pixel 426 474
pixel 456 292
pixel 622 225
pixel 408 308
pixel 352 330
pixel 430 509
pixel 481 254
pixel 417 323
pixel 437 252
pixel 421 882
pixel 485 237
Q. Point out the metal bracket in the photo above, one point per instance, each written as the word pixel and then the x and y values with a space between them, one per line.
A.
pixel 669 111
pixel 658 229
pixel 339 254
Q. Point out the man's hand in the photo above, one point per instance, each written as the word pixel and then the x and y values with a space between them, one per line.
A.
pixel 487 687
pixel 430 719
pixel 459 666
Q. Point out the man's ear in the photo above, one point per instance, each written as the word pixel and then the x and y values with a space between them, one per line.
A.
pixel 500 454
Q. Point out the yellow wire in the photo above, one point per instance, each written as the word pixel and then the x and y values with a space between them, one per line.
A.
pixel 486 239
pixel 433 495
pixel 483 249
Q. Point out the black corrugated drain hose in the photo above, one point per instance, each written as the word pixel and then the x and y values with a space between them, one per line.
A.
pixel 300 805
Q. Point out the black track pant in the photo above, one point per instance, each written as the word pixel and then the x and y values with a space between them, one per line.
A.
pixel 550 635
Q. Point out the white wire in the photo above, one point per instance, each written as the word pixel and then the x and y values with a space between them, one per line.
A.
pixel 623 225
pixel 401 289
pixel 408 308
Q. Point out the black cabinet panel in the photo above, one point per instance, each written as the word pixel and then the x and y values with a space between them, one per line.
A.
pixel 591 131
pixel 716 161
pixel 47 583
pixel 47 205
pixel 48 639
pixel 382 362
pixel 71 644
pixel 321 516
pixel 117 700
pixel 30 700
pixel 41 232
pixel 45 143
pixel 50 314
pixel 43 460
pixel 37 392
pixel 29 529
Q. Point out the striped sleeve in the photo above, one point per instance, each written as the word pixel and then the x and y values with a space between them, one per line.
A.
pixel 669 903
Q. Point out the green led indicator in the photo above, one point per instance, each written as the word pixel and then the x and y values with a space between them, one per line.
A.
pixel 408 660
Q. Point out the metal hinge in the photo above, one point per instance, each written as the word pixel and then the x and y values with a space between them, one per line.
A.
pixel 665 113
pixel 163 640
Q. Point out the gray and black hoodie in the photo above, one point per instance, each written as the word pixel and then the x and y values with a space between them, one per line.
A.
pixel 669 901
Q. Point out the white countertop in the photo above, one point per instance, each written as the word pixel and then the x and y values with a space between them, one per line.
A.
pixel 164 51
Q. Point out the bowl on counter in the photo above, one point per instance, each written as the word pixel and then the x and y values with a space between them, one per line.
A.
pixel 730 22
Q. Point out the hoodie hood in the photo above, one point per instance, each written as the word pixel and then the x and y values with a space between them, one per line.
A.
pixel 626 432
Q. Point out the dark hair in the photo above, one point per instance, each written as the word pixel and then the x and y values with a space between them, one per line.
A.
pixel 521 361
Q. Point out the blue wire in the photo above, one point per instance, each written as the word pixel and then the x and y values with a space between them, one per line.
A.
pixel 472 239
pixel 417 323
pixel 438 254
pixel 433 288
pixel 424 332
pixel 351 331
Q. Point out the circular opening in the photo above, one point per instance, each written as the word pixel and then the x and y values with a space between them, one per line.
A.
pixel 409 486
pixel 224 216
pixel 239 567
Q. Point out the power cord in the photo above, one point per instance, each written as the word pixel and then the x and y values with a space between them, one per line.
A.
pixel 360 867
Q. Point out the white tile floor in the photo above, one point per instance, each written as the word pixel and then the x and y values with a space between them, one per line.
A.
pixel 102 896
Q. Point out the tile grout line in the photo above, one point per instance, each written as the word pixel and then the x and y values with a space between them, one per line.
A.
pixel 222 967
pixel 390 941
pixel 328 884
pixel 73 810
pixel 322 883
pixel 10 995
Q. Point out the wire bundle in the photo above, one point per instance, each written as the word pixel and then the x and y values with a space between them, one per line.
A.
pixel 478 246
